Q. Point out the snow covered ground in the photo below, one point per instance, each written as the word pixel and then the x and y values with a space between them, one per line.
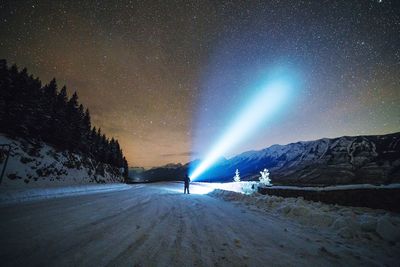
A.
pixel 20 194
pixel 356 223
pixel 157 225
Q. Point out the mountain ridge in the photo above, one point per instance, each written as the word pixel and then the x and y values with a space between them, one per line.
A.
pixel 327 161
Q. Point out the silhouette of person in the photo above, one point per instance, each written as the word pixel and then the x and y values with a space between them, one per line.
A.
pixel 187 181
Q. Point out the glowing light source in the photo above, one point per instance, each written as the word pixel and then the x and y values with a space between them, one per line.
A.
pixel 262 106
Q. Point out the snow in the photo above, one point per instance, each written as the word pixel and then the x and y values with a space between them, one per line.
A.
pixel 359 159
pixel 264 178
pixel 18 195
pixel 233 186
pixel 340 187
pixel 348 222
pixel 236 178
pixel 387 229
pixel 157 225
pixel 238 186
pixel 43 166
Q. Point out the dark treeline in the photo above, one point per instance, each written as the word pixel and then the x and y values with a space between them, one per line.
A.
pixel 30 110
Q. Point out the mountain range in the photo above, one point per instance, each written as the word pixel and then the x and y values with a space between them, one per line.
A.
pixel 373 159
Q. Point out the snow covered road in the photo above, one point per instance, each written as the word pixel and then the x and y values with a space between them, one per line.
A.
pixel 157 225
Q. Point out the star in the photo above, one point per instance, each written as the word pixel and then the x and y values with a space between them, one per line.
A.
pixel 168 78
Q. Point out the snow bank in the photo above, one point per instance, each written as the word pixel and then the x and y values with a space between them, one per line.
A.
pixel 347 222
pixel 339 187
pixel 9 196
pixel 238 186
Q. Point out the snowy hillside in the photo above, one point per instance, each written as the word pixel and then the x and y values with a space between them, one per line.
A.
pixel 40 165
pixel 343 160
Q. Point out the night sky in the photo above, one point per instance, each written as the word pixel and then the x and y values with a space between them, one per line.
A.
pixel 165 77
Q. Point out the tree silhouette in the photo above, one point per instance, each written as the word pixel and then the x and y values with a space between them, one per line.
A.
pixel 30 110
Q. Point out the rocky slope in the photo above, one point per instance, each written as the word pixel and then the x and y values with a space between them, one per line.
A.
pixel 343 160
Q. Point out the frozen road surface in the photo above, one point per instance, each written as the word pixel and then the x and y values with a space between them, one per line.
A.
pixel 157 225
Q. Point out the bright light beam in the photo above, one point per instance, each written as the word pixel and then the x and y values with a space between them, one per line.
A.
pixel 262 107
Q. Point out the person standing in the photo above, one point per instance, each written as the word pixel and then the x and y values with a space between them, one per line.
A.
pixel 187 181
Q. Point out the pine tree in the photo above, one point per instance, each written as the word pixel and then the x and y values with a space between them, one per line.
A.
pixel 60 114
pixel 236 178
pixel 264 178
pixel 4 84
pixel 48 102
pixel 73 119
pixel 34 122
pixel 31 111
pixel 17 103
pixel 125 167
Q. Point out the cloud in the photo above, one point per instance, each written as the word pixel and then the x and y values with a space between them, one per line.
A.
pixel 182 154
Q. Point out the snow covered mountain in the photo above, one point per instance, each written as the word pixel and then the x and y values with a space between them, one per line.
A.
pixel 33 164
pixel 342 160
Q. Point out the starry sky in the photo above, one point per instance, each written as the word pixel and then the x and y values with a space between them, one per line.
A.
pixel 164 77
